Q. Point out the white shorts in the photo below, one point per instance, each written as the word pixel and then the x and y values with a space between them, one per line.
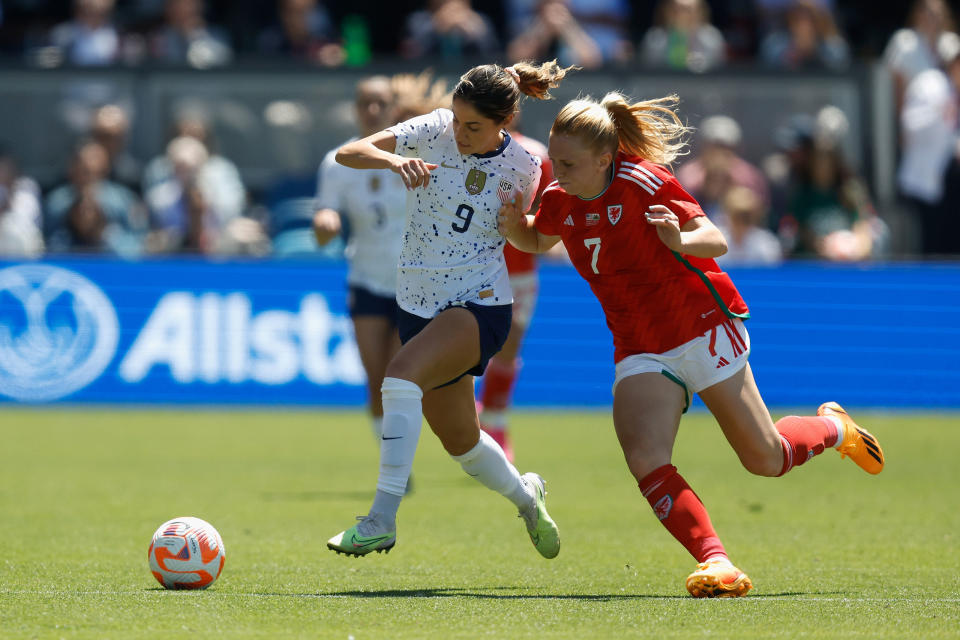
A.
pixel 525 288
pixel 698 364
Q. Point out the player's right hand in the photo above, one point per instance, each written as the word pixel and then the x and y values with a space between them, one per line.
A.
pixel 326 225
pixel 415 172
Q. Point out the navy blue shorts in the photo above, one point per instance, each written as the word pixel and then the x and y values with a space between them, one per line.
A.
pixel 494 322
pixel 363 302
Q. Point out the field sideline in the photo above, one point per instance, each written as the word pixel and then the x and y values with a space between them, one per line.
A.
pixel 832 551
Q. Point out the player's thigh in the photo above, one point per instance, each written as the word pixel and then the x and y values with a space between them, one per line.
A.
pixel 452 415
pixel 447 346
pixel 745 421
pixel 646 414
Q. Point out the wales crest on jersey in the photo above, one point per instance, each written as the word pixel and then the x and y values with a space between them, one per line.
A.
pixel 475 181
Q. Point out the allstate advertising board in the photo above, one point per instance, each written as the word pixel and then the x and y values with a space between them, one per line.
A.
pixel 191 332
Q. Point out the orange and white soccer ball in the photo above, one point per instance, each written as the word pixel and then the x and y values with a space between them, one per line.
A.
pixel 186 553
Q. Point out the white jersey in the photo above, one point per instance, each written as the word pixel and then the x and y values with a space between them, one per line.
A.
pixel 374 203
pixel 452 250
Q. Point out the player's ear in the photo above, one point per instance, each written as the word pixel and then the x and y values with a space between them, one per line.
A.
pixel 505 124
pixel 604 160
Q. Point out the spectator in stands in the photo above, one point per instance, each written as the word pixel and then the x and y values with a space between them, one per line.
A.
pixel 920 45
pixel 810 39
pixel 21 235
pixel 553 32
pixel 929 173
pixel 90 212
pixel 218 178
pixel 111 127
pixel 449 29
pixel 718 167
pixel 90 38
pixel 186 39
pixel 606 22
pixel 304 31
pixel 683 38
pixel 830 204
pixel 749 242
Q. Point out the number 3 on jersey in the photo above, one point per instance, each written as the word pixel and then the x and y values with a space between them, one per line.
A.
pixel 594 245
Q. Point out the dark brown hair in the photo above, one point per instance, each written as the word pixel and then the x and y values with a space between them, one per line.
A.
pixel 494 92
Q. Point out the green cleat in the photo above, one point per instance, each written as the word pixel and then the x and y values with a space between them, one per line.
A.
pixel 354 542
pixel 542 529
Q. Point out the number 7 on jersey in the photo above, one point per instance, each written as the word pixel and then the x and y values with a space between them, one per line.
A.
pixel 594 245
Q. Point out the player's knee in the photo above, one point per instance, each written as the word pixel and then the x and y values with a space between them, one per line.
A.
pixel 762 462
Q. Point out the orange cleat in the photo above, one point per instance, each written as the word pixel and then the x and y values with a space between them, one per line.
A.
pixel 717 578
pixel 858 443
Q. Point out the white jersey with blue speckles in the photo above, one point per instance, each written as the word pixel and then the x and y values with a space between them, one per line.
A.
pixel 452 251
pixel 374 204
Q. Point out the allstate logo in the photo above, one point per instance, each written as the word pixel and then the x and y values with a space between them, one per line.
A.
pixel 58 332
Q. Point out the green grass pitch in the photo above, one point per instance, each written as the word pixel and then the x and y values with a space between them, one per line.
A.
pixel 832 551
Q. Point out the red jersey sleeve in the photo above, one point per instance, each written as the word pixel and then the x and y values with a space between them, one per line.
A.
pixel 676 198
pixel 547 219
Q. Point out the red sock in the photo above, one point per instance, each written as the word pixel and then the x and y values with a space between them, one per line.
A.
pixel 498 385
pixel 804 437
pixel 681 512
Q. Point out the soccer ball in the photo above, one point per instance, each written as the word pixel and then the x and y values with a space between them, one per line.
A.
pixel 186 553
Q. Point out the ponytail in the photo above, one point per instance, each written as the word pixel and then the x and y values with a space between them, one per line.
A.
pixel 649 129
pixel 495 92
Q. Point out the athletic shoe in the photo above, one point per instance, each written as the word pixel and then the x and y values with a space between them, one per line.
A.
pixel 717 578
pixel 542 529
pixel 362 538
pixel 857 443
pixel 501 438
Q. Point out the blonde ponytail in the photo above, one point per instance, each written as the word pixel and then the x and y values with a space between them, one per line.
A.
pixel 649 129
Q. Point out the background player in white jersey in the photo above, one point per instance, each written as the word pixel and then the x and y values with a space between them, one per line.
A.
pixel 454 295
pixel 374 204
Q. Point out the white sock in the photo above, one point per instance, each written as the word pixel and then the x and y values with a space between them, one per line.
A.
pixel 493 419
pixel 376 426
pixel 402 418
pixel 487 463
pixel 841 431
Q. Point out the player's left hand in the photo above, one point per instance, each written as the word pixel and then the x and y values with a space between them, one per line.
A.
pixel 511 212
pixel 667 224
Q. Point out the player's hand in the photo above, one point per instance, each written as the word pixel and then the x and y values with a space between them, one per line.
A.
pixel 667 224
pixel 510 215
pixel 415 172
pixel 326 225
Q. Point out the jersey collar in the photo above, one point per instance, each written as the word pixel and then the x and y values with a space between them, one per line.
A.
pixel 498 150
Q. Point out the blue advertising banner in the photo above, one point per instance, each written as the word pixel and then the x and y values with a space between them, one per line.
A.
pixel 191 331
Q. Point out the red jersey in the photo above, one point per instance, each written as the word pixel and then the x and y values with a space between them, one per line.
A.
pixel 654 299
pixel 521 261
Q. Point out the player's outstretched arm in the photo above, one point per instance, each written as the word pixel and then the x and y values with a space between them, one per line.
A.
pixel 519 229
pixel 377 152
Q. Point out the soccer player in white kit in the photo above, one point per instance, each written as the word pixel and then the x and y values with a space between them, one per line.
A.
pixel 453 291
pixel 373 202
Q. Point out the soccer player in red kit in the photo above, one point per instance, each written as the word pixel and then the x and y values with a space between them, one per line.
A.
pixel 646 248
pixel 501 374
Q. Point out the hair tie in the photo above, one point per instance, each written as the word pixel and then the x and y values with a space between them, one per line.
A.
pixel 513 74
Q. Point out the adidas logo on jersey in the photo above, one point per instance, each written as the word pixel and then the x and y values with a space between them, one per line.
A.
pixel 722 362
pixel 569 221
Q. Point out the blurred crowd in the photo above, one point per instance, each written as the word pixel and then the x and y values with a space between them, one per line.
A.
pixel 804 199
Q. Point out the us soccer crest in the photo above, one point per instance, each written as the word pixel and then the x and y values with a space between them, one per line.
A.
pixel 614 211
pixel 475 181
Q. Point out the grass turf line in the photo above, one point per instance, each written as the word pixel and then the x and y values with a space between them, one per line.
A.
pixel 833 551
